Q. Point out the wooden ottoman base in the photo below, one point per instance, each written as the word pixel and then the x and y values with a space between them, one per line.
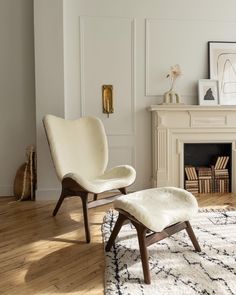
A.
pixel 145 239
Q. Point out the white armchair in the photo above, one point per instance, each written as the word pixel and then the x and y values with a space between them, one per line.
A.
pixel 80 154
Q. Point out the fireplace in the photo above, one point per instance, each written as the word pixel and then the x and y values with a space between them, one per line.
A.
pixel 209 165
pixel 176 128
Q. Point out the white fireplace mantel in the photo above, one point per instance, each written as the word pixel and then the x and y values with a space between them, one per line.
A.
pixel 174 125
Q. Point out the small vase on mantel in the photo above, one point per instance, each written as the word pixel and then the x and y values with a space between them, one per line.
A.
pixel 171 97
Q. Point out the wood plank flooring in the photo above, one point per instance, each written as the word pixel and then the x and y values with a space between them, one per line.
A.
pixel 40 254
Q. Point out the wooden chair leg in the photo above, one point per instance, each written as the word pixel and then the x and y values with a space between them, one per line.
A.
pixel 58 205
pixel 141 230
pixel 84 199
pixel 123 190
pixel 192 236
pixel 120 220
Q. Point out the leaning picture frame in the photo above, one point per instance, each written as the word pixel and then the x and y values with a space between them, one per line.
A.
pixel 208 92
pixel 222 67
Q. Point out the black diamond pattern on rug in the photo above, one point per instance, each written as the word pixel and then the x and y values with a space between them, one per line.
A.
pixel 174 265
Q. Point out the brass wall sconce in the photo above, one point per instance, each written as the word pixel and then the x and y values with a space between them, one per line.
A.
pixel 107 99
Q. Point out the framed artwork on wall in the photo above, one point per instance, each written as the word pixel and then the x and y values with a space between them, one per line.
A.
pixel 222 67
pixel 208 92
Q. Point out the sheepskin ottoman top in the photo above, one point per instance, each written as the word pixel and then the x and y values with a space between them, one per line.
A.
pixel 158 208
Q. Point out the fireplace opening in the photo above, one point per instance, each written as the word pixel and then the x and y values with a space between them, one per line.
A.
pixel 207 167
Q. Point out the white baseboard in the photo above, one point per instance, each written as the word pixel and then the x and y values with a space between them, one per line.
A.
pixel 47 194
pixel 41 195
pixel 51 194
pixel 6 190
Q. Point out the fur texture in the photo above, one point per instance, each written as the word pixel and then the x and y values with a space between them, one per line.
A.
pixel 158 208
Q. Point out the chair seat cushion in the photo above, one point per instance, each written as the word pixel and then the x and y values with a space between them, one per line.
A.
pixel 158 208
pixel 115 178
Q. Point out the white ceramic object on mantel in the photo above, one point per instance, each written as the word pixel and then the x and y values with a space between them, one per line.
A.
pixel 171 97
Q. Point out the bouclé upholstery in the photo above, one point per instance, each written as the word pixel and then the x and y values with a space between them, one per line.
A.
pixel 158 208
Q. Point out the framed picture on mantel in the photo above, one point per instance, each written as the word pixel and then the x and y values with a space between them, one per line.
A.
pixel 208 92
pixel 222 67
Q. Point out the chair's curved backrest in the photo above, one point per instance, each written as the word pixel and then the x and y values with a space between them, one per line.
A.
pixel 78 146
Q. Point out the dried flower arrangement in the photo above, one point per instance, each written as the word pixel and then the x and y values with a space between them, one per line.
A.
pixel 170 96
pixel 173 74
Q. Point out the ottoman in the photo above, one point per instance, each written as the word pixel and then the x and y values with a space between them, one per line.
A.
pixel 156 214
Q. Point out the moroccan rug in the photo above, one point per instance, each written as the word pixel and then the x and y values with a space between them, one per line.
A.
pixel 174 265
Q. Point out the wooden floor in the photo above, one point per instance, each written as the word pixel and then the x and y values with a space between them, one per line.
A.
pixel 40 254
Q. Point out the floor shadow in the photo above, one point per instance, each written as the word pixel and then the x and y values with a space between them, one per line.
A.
pixel 34 221
pixel 67 241
pixel 66 269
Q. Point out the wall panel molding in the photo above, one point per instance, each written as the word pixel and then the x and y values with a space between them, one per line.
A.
pixel 82 36
pixel 131 149
pixel 147 57
pixel 81 48
pixel 168 41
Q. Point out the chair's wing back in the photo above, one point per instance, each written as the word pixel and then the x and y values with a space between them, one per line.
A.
pixel 78 146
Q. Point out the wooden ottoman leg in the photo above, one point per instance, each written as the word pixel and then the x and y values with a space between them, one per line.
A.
pixel 192 236
pixel 120 220
pixel 141 230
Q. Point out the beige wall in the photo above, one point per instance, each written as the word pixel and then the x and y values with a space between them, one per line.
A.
pixel 17 97
pixel 130 44
pixel 49 74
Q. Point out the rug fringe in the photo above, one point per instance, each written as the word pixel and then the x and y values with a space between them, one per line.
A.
pixel 203 210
